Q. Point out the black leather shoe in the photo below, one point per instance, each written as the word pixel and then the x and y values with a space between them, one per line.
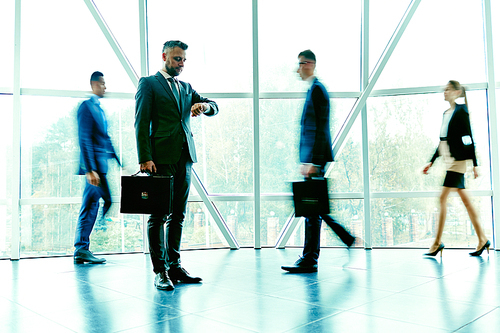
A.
pixel 163 282
pixel 181 275
pixel 301 266
pixel 83 256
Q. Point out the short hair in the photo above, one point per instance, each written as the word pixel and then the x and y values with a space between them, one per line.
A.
pixel 308 54
pixel 95 76
pixel 168 46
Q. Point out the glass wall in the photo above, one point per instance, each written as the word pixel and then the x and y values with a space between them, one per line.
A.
pixel 5 170
pixel 434 49
pixel 285 30
pixel 219 36
pixel 60 49
pixel 7 41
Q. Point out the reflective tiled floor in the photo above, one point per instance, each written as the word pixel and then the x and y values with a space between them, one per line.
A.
pixel 246 291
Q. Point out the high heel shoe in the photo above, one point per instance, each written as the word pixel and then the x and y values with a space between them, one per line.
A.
pixel 480 251
pixel 439 249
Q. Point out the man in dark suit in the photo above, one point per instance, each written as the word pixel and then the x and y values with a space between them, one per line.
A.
pixel 165 146
pixel 315 152
pixel 95 151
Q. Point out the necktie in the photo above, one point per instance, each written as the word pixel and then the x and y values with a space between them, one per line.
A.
pixel 174 88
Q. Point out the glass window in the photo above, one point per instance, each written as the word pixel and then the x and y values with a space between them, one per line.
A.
pixel 50 151
pixel 50 230
pixel 224 147
pixel 5 232
pixel 5 172
pixel 49 147
pixel 334 39
pixel 7 16
pixel 279 139
pixel 346 173
pixel 279 144
pixel 385 16
pixel 411 222
pixel 219 36
pixel 50 157
pixel 200 231
pixel 435 49
pixel 404 133
pixel 274 215
pixel 239 219
pixel 65 46
pixel 125 27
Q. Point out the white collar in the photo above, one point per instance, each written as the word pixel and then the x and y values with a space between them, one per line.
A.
pixel 166 75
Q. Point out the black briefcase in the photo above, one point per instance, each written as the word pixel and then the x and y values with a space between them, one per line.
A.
pixel 146 194
pixel 310 197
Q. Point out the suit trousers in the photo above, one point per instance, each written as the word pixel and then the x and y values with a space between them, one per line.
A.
pixel 89 210
pixel 313 232
pixel 165 231
pixel 312 236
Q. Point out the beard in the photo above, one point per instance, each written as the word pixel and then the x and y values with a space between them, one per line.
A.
pixel 172 71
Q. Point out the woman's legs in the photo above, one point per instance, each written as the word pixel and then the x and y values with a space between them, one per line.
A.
pixel 442 218
pixel 473 218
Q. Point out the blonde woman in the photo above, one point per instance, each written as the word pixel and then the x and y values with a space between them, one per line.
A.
pixel 456 147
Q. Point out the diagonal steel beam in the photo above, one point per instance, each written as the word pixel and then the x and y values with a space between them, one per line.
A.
pixel 214 212
pixel 361 101
pixel 358 106
pixel 112 42
pixel 287 230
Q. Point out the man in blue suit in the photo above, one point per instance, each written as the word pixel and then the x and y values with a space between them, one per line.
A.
pixel 315 152
pixel 95 151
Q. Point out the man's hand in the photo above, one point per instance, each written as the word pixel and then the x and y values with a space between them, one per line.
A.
pixel 476 174
pixel 198 109
pixel 148 167
pixel 93 178
pixel 309 170
pixel 426 169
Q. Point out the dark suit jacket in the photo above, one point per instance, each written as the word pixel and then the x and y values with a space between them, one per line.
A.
pixel 315 140
pixel 459 130
pixel 95 144
pixel 160 126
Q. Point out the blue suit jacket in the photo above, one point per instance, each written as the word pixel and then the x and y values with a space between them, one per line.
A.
pixel 315 139
pixel 95 143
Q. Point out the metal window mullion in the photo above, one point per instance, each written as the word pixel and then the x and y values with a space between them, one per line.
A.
pixel 143 37
pixel 112 42
pixel 365 55
pixel 493 121
pixel 256 124
pixel 143 47
pixel 15 180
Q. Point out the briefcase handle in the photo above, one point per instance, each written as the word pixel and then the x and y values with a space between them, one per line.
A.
pixel 149 175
